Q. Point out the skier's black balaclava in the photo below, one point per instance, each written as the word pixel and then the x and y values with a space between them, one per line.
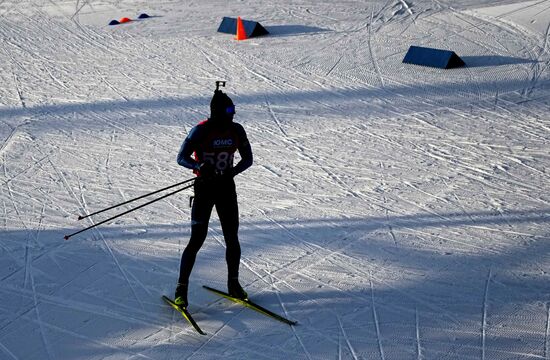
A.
pixel 222 108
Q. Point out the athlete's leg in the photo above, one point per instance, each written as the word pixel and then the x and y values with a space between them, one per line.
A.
pixel 200 216
pixel 228 212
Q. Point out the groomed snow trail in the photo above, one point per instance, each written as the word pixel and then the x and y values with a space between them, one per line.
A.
pixel 394 211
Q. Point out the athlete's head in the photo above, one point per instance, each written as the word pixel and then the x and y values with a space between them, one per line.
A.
pixel 222 108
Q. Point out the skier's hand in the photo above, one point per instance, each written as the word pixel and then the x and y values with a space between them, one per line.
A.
pixel 206 170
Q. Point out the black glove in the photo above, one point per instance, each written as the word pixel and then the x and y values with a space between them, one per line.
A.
pixel 207 170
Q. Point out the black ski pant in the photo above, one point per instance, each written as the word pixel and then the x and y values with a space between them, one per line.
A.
pixel 221 194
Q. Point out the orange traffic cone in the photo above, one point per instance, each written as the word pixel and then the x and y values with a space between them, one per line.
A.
pixel 241 33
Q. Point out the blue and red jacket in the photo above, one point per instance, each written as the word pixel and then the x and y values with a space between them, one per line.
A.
pixel 210 142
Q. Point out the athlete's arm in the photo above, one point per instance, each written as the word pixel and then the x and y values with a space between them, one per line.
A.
pixel 186 150
pixel 245 150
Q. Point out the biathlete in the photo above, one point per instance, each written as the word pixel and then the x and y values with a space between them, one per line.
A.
pixel 209 151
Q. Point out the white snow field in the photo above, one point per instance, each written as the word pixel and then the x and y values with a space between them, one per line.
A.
pixel 395 211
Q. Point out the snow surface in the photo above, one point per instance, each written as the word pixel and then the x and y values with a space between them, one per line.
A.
pixel 395 211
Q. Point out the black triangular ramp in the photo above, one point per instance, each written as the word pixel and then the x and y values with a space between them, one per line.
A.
pixel 455 61
pixel 442 59
pixel 252 28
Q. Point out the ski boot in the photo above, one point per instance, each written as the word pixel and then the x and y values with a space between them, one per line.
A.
pixel 180 298
pixel 235 289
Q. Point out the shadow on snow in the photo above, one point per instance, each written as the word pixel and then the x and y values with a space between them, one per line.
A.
pixel 80 297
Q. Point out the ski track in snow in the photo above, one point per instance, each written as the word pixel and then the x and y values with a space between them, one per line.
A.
pixel 547 334
pixel 8 139
pixel 418 337
pixel 484 317
pixel 82 204
pixel 381 193
pixel 372 54
pixel 376 323
pixel 346 338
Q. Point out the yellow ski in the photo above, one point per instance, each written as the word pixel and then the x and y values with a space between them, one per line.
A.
pixel 183 311
pixel 251 305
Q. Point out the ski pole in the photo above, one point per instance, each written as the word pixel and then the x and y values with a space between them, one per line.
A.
pixel 66 237
pixel 80 217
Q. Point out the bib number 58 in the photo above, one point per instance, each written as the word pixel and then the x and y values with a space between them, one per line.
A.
pixel 221 161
